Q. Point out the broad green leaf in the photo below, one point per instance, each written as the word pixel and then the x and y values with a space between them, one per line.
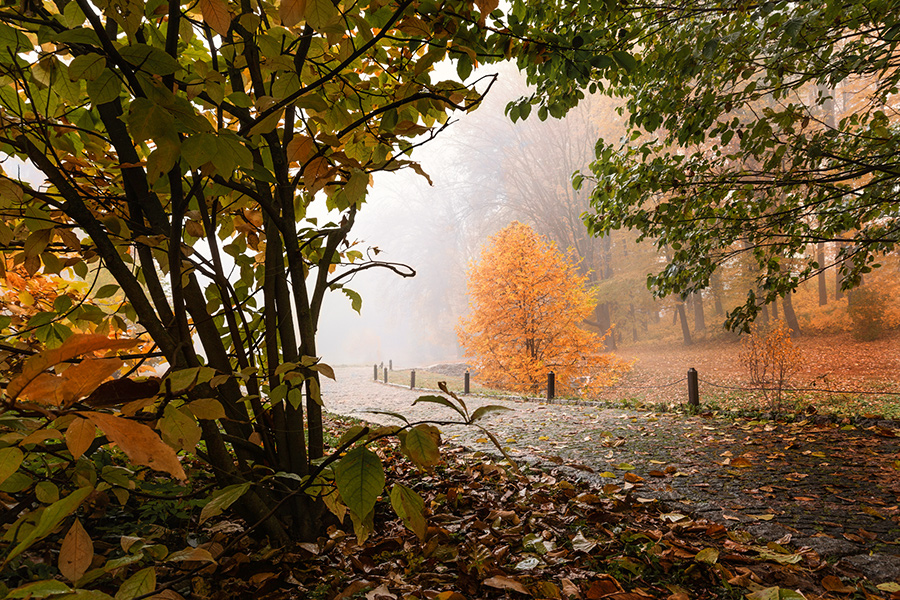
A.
pixel 141 583
pixel 199 149
pixel 40 589
pixel 105 88
pixel 321 13
pixel 179 430
pixel 222 499
pixel 86 66
pixel 10 460
pixel 355 299
pixel 410 507
pixel 420 446
pixel 481 411
pixel 360 479
pixel 50 519
pixel 150 59
pixel 442 401
pixel 180 381
pixel 292 12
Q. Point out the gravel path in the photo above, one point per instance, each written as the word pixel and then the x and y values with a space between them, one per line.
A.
pixel 812 484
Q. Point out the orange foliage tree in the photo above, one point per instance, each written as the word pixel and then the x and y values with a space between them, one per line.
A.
pixel 527 302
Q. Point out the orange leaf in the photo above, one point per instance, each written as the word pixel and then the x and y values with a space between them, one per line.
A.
pixel 76 552
pixel 603 586
pixel 74 346
pixel 138 442
pixel 300 148
pixel 216 15
pixel 79 436
pixel 632 478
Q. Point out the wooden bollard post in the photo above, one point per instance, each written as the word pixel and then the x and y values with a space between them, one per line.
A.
pixel 391 364
pixel 551 385
pixel 374 372
pixel 693 388
pixel 385 374
pixel 412 379
pixel 466 383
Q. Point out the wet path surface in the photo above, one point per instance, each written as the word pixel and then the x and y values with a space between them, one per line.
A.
pixel 810 483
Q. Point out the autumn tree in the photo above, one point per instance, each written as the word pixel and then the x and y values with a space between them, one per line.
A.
pixel 527 308
pixel 183 155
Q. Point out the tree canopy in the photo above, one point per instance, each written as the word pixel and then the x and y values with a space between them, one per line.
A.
pixel 527 305
pixel 174 161
pixel 760 128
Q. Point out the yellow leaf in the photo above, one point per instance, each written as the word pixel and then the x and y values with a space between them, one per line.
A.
pixel 80 435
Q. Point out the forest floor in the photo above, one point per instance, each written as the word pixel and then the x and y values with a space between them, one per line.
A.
pixel 814 481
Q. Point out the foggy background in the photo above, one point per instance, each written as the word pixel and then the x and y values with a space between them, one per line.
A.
pixel 486 172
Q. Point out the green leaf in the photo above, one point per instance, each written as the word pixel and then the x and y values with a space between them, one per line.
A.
pixel 360 479
pixel 775 593
pixel 40 589
pixel 10 461
pixel 141 583
pixel 222 499
pixel 321 13
pixel 150 59
pixel 181 380
pixel 410 507
pixel 624 60
pixel 355 299
pixel 709 556
pixel 108 290
pixel 178 430
pixel 199 149
pixel 420 446
pixel 442 401
pixel 86 66
pixel 481 411
pixel 105 88
pixel 50 519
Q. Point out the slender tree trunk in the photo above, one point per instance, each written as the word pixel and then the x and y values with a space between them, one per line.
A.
pixel 716 286
pixel 790 316
pixel 699 316
pixel 820 278
pixel 774 306
pixel 685 330
pixel 603 317
pixel 634 334
pixel 764 316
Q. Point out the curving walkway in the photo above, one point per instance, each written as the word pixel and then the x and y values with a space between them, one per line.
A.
pixel 811 484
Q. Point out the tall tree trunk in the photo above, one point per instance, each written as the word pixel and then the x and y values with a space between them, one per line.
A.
pixel 685 330
pixel 715 284
pixel 820 278
pixel 789 315
pixel 634 335
pixel 604 318
pixel 774 306
pixel 764 316
pixel 699 317
pixel 838 276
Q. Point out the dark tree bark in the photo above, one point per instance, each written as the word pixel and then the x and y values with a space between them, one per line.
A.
pixel 699 316
pixel 820 278
pixel 790 316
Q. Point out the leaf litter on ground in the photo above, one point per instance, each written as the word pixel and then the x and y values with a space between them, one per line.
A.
pixel 492 533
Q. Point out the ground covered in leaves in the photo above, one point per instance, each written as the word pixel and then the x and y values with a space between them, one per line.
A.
pixel 495 533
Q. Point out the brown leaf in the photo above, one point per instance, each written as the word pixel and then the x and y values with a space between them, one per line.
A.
pixel 121 391
pixel 80 435
pixel 76 552
pixel 138 442
pixel 450 596
pixel 291 12
pixel 603 586
pixel 300 148
pixel 632 478
pixel 506 583
pixel 834 584
pixel 570 590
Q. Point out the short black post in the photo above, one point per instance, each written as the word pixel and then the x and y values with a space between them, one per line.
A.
pixel 693 388
pixel 391 364
pixel 466 383
pixel 551 385
pixel 412 379
pixel 374 372
pixel 385 374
